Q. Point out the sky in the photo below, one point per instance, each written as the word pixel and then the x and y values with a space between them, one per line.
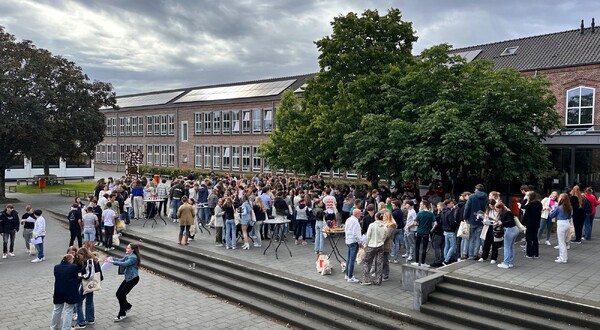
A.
pixel 151 45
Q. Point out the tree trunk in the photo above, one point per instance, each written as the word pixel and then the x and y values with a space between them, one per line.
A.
pixel 2 182
pixel 375 181
pixel 46 167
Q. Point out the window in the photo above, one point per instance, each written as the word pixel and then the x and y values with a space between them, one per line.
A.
pixel 245 158
pixel 127 126
pixel 108 127
pixel 184 131
pixel 197 156
pixel 134 126
pixel 172 155
pixel 235 122
pixel 171 119
pixel 114 126
pixel 217 122
pixel 226 122
pixel 121 126
pixel 207 122
pixel 256 161
pixel 163 124
pixel 163 154
pixel 207 156
pixel 198 123
pixel 98 154
pixel 216 157
pixel 256 120
pixel 268 120
pixel 157 125
pixel 109 154
pixel 122 154
pixel 140 126
pixel 580 106
pixel 246 121
pixel 235 159
pixel 149 154
pixel 18 162
pixel 226 158
pixel 157 155
pixel 82 161
pixel 53 162
pixel 509 50
pixel 149 125
pixel 114 154
pixel 103 154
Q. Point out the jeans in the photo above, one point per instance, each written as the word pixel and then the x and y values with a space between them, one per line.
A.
pixel 40 248
pixel 438 247
pixel 230 233
pixel 89 307
pixel 122 293
pixel 474 240
pixel 510 235
pixel 588 222
pixel 424 239
pixel 176 205
pixel 203 215
pixel 300 229
pixel 449 245
pixel 257 229
pixel 532 243
pixel 88 234
pixel 108 235
pixel 397 243
pixel 352 252
pixel 578 224
pixel 9 235
pixel 27 235
pixel 562 228
pixel 545 223
pixel 409 240
pixel 162 206
pixel 319 239
pixel 67 318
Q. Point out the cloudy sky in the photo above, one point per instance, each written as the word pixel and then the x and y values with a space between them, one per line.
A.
pixel 150 45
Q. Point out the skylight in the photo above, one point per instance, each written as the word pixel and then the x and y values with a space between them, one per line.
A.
pixel 509 51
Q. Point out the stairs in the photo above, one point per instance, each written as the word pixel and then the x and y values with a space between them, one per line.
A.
pixel 484 306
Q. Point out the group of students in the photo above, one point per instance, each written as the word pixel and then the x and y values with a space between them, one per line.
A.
pixel 34 231
pixel 71 303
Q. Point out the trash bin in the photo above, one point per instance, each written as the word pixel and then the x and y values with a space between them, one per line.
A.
pixel 42 183
pixel 156 178
pixel 514 205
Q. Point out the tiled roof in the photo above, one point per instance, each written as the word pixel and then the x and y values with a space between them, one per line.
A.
pixel 554 50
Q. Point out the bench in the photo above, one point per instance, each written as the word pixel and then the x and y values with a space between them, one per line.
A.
pixel 69 192
pixel 85 194
pixel 80 178
pixel 11 188
pixel 27 181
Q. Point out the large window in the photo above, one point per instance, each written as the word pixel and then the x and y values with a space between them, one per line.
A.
pixel 580 106
pixel 82 161
pixel 216 157
pixel 109 153
pixel 171 120
pixel 226 122
pixel 226 157
pixel 163 155
pixel 157 155
pixel 114 126
pixel 122 154
pixel 163 124
pixel 256 161
pixel 245 158
pixel 134 126
pixel 128 126
pixel 207 122
pixel 114 154
pixel 217 122
pixel 246 121
pixel 235 122
pixel 141 126
pixel 149 125
pixel 156 125
pixel 256 120
pixel 171 155
pixel 207 156
pixel 198 156
pixel 235 159
pixel 121 126
pixel 149 154
pixel 268 120
pixel 198 123
pixel 184 131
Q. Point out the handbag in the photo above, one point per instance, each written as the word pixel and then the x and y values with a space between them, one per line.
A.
pixel 115 240
pixel 92 284
pixel 571 232
pixel 360 255
pixel 519 225
pixel 463 230
pixel 237 218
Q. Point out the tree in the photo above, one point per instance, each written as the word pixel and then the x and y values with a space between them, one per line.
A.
pixel 49 106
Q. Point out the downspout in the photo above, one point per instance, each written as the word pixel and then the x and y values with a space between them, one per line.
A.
pixel 177 128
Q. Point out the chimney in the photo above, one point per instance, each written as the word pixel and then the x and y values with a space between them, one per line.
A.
pixel 593 25
pixel 581 27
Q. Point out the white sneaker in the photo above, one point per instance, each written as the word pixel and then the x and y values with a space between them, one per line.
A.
pixel 480 260
pixel 36 260
pixel 415 263
pixel 27 251
pixel 493 262
pixel 11 254
pixel 405 255
pixel 218 244
pixel 353 280
pixel 425 265
pixel 409 258
pixel 503 265
pixel 557 247
pixel 346 277
pixel 548 243
pixel 4 256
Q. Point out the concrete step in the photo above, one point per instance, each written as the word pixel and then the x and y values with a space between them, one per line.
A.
pixel 528 304
pixel 466 319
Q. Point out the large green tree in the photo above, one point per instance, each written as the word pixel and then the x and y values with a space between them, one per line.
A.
pixel 49 107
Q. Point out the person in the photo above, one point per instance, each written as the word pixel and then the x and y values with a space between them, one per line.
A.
pixel 398 239
pixel 475 204
pixel 424 224
pixel 131 262
pixel 531 221
pixel 438 236
pixel 260 212
pixel 577 201
pixel 137 197
pixel 229 224
pixel 39 232
pixel 185 214
pixel 100 226
pixel 75 222
pixel 109 218
pixel 410 230
pixel 319 215
pixel 90 222
pixel 589 218
pixel 162 196
pixel 302 215
pixel 66 293
pixel 462 245
pixel 391 226
pixel 352 231
pixel 507 220
pixel 28 222
pixel 449 225
pixel 245 219
pixel 89 265
pixel 563 213
pixel 548 204
pixel 202 198
pixel 368 219
pixel 9 226
pixel 219 223
pixel 489 219
pixel 373 259
pixel 177 191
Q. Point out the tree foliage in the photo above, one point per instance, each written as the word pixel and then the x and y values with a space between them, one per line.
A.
pixel 50 108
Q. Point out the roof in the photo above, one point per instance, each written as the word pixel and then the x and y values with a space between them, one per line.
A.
pixel 554 50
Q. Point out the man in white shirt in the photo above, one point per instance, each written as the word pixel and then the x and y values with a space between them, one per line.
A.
pixel 109 218
pixel 352 231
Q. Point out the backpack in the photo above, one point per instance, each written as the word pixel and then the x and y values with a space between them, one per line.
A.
pixel 587 206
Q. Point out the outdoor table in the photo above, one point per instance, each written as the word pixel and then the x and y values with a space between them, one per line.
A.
pixel 152 212
pixel 200 221
pixel 277 231
pixel 334 235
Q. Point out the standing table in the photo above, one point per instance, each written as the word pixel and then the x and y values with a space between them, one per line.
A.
pixel 152 211
pixel 334 235
pixel 277 232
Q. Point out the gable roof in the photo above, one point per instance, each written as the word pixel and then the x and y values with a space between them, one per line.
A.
pixel 554 50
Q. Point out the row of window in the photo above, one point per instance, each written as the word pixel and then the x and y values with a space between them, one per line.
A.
pixel 159 155
pixel 225 157
pixel 134 126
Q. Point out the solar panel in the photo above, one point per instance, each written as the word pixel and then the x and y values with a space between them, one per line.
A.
pixel 236 92
pixel 301 88
pixel 468 55
pixel 150 99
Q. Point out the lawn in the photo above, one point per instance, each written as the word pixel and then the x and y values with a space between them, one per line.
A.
pixel 80 186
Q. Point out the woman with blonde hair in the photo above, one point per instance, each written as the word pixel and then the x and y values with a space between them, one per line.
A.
pixel 89 265
pixel 185 214
pixel 507 220
pixel 260 213
pixel 391 226
pixel 577 201
pixel 563 213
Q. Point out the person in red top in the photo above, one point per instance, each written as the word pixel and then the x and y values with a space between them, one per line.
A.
pixel 589 218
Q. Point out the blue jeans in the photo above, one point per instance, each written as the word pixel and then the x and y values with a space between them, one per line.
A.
pixel 449 245
pixel 203 215
pixel 409 240
pixel 474 240
pixel 89 307
pixel 67 318
pixel 40 248
pixel 588 222
pixel 510 235
pixel 397 243
pixel 230 232
pixel 89 234
pixel 176 205
pixel 352 252
pixel 545 223
pixel 319 239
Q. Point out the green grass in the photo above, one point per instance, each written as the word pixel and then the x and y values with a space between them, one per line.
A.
pixel 80 186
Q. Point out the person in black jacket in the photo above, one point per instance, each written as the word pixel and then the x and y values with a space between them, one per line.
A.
pixel 531 221
pixel 75 224
pixel 66 292
pixel 449 226
pixel 398 216
pixel 9 226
